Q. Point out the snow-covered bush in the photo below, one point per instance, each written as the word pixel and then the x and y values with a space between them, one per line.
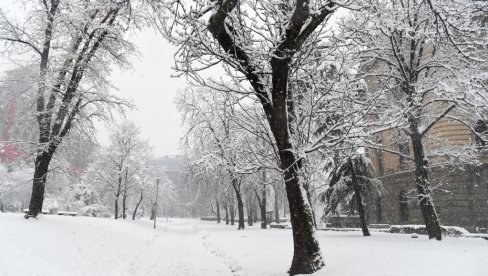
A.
pixel 95 210
pixel 85 193
pixel 51 205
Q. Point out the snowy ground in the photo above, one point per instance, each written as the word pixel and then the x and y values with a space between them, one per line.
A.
pixel 55 245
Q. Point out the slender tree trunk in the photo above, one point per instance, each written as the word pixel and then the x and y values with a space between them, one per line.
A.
pixel 116 208
pixel 137 206
pixel 276 204
pixel 232 215
pixel 250 221
pixel 263 209
pixel 427 207
pixel 124 207
pixel 255 214
pixel 42 161
pixel 125 195
pixel 240 204
pixel 284 209
pixel 359 199
pixel 226 207
pixel 153 212
pixel 218 211
pixel 262 202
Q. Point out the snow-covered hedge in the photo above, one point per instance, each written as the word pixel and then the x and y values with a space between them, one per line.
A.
pixel 452 231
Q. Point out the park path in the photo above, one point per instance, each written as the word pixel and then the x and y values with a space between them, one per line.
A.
pixel 55 245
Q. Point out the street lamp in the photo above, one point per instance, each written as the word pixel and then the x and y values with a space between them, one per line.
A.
pixel 156 207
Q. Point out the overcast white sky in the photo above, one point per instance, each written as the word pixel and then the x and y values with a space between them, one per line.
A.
pixel 152 90
pixel 149 85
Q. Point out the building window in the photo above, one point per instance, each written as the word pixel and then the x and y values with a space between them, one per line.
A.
pixel 403 200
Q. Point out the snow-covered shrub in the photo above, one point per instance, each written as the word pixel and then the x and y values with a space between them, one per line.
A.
pixel 85 193
pixel 95 210
pixel 51 205
pixel 451 231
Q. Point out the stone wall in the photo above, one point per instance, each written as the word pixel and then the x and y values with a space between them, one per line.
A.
pixel 460 196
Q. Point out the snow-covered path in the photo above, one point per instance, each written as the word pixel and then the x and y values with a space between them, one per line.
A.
pixel 55 245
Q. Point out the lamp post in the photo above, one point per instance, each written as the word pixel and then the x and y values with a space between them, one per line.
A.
pixel 156 207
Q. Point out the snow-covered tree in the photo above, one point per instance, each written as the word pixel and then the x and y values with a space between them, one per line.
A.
pixel 120 166
pixel 424 61
pixel 73 44
pixel 349 183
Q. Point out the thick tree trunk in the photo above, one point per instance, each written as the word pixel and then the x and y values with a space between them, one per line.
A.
pixel 427 207
pixel 232 215
pixel 226 207
pixel 137 206
pixel 306 255
pixel 309 198
pixel 240 204
pixel 218 211
pixel 359 199
pixel 41 169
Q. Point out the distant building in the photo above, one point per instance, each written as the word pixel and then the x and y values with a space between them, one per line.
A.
pixel 460 190
pixel 175 168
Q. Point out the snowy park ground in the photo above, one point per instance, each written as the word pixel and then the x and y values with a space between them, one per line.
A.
pixel 57 245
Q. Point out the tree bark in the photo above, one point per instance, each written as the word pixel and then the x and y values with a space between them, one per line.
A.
pixel 137 206
pixel 255 214
pixel 301 24
pixel 306 255
pixel 309 198
pixel 232 215
pixel 427 207
pixel 262 206
pixel 42 161
pixel 218 211
pixel 124 207
pixel 359 199
pixel 250 221
pixel 276 204
pixel 153 212
pixel 226 208
pixel 116 207
pixel 240 204
pixel 125 195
